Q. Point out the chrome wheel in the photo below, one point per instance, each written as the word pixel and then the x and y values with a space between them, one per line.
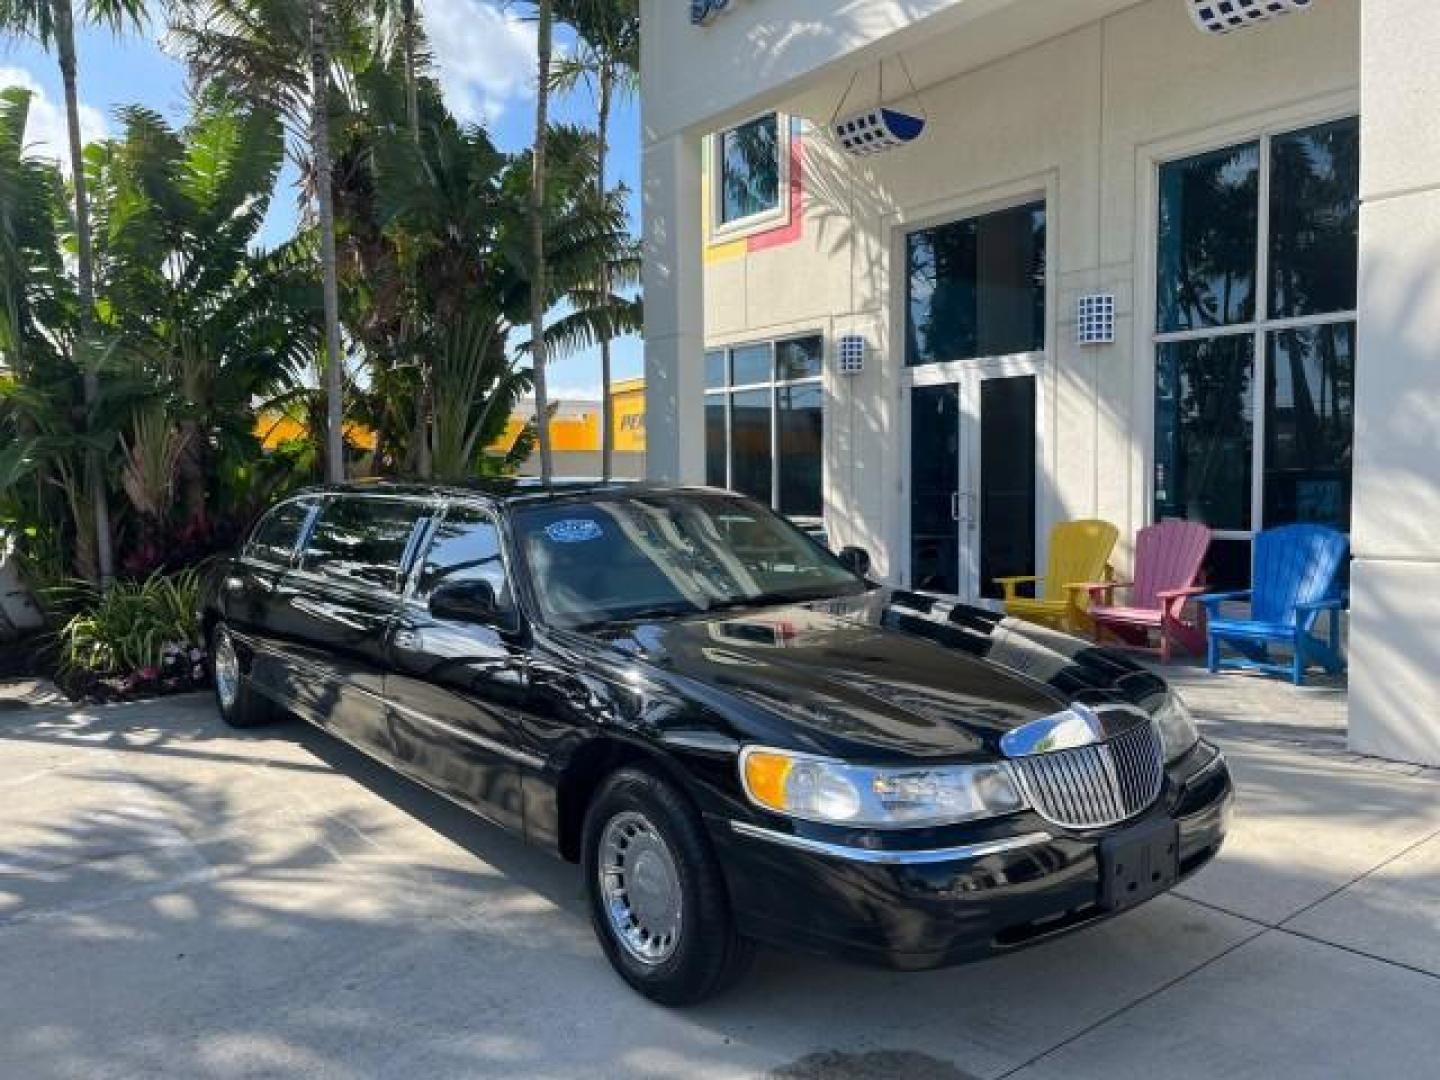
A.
pixel 227 670
pixel 641 888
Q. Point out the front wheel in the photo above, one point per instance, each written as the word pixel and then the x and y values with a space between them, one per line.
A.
pixel 239 705
pixel 657 897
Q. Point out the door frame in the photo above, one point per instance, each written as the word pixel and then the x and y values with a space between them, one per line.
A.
pixel 967 376
pixel 1039 186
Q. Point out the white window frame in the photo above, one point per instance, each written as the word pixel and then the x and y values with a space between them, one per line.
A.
pixel 1259 328
pixel 775 218
pixel 772 386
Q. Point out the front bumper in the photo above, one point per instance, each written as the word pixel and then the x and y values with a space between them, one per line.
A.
pixel 947 903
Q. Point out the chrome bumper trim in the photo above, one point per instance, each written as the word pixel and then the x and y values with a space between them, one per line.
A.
pixel 891 857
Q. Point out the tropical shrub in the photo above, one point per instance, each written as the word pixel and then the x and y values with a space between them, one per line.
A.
pixel 134 634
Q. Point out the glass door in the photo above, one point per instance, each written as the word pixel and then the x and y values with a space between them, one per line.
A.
pixel 1002 517
pixel 972 483
pixel 935 488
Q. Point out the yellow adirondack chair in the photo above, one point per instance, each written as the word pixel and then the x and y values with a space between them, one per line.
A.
pixel 1079 554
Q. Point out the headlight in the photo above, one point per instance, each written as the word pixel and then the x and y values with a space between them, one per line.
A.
pixel 823 789
pixel 1177 728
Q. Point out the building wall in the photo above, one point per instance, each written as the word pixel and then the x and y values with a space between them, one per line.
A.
pixel 1080 118
pixel 1395 586
pixel 763 46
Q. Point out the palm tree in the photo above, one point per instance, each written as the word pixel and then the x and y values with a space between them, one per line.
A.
pixel 608 60
pixel 544 45
pixel 397 22
pixel 209 323
pixel 52 23
pixel 279 54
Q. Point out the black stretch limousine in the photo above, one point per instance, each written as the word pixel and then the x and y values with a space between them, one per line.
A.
pixel 739 736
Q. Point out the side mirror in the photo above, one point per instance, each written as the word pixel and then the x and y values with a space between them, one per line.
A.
pixel 473 602
pixel 856 560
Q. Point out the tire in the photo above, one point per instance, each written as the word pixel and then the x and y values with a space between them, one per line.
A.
pixel 644 844
pixel 238 703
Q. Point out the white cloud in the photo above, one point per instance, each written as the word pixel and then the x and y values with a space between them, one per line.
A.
pixel 45 131
pixel 485 56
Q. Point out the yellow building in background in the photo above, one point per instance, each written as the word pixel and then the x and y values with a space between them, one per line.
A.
pixel 574 432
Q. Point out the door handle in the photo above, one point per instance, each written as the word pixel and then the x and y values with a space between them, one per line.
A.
pixel 955 506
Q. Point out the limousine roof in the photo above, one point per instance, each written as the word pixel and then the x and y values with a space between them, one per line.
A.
pixel 506 489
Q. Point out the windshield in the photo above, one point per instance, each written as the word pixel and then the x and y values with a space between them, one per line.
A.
pixel 657 554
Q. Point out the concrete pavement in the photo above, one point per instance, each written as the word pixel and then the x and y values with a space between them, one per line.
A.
pixel 177 899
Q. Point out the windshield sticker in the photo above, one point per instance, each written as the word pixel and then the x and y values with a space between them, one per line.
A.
pixel 574 531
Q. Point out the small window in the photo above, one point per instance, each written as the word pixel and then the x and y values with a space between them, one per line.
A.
pixel 466 547
pixel 275 538
pixel 749 170
pixel 362 540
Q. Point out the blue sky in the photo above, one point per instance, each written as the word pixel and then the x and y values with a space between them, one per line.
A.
pixel 483 52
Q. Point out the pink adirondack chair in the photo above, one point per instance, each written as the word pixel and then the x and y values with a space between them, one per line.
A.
pixel 1168 558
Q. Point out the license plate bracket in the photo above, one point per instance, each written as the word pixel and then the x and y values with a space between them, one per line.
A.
pixel 1139 864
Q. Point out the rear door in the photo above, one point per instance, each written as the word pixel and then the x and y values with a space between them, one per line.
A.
pixel 340 601
pixel 457 691
pixel 248 592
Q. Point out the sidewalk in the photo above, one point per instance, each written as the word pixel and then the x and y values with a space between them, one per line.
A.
pixel 177 899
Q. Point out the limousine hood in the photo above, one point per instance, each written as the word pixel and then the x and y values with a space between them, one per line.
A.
pixel 884 676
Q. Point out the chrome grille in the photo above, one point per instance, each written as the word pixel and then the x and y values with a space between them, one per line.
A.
pixel 1090 787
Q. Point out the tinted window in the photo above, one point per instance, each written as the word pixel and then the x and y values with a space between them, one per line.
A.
pixel 1314 220
pixel 751 365
pixel 466 547
pixel 799 358
pixel 801 416
pixel 274 539
pixel 716 369
pixel 1204 410
pixel 1209 222
pixel 750 442
pixel 362 540
pixel 1310 425
pixel 715 441
pixel 977 287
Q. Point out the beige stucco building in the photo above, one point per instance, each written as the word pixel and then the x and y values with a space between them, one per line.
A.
pixel 1261 208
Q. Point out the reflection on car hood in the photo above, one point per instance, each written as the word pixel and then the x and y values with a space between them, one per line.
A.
pixel 884 675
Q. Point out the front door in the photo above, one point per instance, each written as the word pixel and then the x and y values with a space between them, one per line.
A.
pixel 972 482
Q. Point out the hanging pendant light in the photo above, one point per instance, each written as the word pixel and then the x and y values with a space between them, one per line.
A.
pixel 881 127
pixel 1225 16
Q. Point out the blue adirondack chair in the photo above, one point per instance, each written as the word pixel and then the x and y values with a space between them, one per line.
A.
pixel 1296 575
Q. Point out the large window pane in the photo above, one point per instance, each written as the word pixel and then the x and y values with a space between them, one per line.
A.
pixel 749 169
pixel 750 365
pixel 802 450
pixel 750 444
pixel 977 287
pixel 715 440
pixel 1209 208
pixel 1204 424
pixel 799 358
pixel 1309 425
pixel 1314 220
